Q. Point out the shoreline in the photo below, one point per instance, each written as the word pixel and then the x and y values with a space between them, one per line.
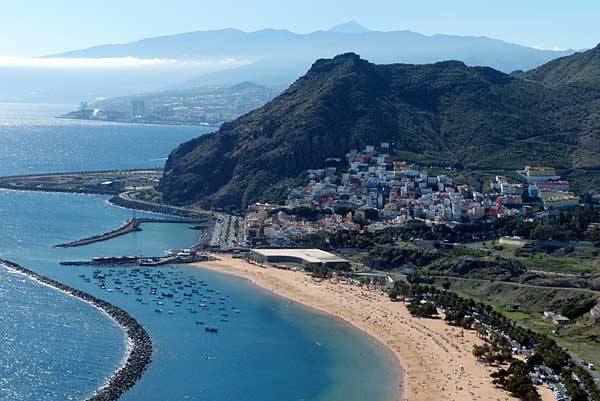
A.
pixel 390 354
pixel 435 358
pixel 138 349
pixel 151 123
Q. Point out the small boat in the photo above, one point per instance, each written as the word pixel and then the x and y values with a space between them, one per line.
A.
pixel 211 329
pixel 158 310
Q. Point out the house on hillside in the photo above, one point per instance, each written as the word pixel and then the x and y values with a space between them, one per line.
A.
pixel 556 318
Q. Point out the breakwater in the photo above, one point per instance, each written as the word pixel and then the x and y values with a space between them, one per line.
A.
pixel 124 201
pixel 140 345
pixel 129 226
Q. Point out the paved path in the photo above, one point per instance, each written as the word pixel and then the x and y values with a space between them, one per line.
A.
pixel 584 290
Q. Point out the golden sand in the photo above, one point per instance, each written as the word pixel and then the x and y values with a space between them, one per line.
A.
pixel 436 358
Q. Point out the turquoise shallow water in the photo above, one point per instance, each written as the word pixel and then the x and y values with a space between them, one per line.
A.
pixel 54 347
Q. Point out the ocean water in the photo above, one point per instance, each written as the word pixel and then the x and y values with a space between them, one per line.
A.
pixel 32 140
pixel 54 347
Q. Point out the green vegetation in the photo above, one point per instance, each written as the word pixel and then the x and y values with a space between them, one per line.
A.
pixel 425 309
pixel 495 350
pixel 385 257
pixel 489 268
pixel 495 328
pixel 573 390
pixel 580 262
pixel 516 380
pixel 577 306
pixel 475 119
pixel 525 305
pixel 580 69
pixel 588 381
pixel 571 225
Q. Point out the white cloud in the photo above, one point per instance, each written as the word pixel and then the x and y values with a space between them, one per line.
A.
pixel 552 48
pixel 114 62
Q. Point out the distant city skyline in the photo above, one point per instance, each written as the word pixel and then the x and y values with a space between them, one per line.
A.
pixel 38 27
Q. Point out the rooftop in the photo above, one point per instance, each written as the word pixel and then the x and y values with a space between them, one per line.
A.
pixel 309 255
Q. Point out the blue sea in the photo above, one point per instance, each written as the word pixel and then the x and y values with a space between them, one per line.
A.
pixel 54 347
pixel 33 140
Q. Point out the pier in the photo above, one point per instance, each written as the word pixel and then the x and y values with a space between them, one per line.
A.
pixel 129 226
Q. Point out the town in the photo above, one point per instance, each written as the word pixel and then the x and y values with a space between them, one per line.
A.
pixel 202 106
pixel 370 191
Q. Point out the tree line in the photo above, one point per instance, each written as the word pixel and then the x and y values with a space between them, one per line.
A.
pixel 566 225
pixel 472 315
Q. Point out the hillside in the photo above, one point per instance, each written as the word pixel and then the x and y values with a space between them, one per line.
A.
pixel 469 117
pixel 579 68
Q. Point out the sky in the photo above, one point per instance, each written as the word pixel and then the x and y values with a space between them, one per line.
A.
pixel 40 27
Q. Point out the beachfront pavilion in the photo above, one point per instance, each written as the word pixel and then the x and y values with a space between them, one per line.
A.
pixel 307 257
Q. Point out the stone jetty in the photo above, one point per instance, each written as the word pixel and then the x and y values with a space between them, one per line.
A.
pixel 140 352
pixel 129 226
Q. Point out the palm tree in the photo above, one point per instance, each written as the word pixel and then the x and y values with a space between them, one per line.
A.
pixel 403 289
pixel 481 331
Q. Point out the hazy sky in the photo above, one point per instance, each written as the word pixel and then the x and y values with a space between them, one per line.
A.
pixel 38 27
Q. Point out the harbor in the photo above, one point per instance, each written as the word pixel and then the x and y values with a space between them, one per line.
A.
pixel 180 337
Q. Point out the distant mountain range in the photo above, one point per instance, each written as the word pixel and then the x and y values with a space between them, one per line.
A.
pixel 279 56
pixel 446 113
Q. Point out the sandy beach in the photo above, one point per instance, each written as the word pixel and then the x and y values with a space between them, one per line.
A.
pixel 436 358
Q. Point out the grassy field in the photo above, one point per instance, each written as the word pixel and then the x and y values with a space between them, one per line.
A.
pixel 582 261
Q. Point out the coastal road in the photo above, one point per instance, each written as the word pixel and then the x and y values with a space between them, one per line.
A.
pixel 583 290
pixel 126 196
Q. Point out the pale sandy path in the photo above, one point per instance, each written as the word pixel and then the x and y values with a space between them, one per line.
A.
pixel 436 357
